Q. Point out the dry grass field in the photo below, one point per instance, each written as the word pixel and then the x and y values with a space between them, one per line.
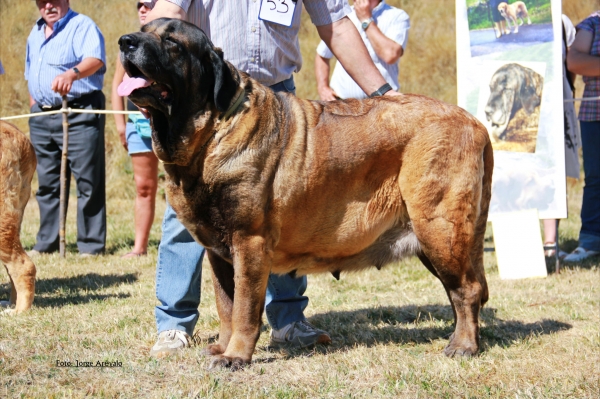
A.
pixel 540 338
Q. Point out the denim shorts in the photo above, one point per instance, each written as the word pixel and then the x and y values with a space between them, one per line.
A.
pixel 136 144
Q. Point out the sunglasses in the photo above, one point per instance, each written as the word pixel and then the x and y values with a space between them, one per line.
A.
pixel 140 5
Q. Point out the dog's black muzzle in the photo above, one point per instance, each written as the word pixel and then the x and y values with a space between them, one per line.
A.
pixel 128 43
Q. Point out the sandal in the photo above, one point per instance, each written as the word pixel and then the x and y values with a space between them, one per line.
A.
pixel 551 252
pixel 134 255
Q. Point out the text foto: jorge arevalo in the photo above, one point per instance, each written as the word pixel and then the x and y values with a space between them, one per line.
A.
pixel 81 363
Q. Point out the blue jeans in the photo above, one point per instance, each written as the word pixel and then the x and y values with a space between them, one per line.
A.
pixel 179 272
pixel 589 235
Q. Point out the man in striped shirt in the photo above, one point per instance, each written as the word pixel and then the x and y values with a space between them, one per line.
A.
pixel 267 48
pixel 66 57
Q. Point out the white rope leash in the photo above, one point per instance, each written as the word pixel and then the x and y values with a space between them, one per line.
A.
pixel 71 110
pixel 103 111
pixel 583 99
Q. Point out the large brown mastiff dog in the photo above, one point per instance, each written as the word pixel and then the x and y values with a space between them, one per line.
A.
pixel 270 183
pixel 17 165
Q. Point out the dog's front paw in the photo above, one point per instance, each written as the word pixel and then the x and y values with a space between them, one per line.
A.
pixel 234 363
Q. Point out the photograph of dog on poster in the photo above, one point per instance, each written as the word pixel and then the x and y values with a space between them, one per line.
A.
pixel 509 105
pixel 500 26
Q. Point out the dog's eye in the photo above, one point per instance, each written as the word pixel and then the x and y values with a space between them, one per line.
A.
pixel 173 42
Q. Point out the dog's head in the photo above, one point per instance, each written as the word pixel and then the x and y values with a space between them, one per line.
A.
pixel 502 9
pixel 512 87
pixel 181 79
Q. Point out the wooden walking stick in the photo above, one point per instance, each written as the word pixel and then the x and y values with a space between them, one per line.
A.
pixel 63 179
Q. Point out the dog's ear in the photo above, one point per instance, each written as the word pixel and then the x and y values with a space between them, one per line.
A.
pixel 531 90
pixel 225 84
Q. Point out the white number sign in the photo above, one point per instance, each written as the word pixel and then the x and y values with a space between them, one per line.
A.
pixel 278 11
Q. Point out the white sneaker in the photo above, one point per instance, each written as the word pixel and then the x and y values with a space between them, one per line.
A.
pixel 169 342
pixel 299 334
pixel 580 254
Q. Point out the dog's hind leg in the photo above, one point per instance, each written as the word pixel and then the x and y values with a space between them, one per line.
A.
pixel 449 220
pixel 22 277
pixel 18 265
pixel 454 268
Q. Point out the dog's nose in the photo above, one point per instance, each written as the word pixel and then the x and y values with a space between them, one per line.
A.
pixel 128 42
pixel 488 111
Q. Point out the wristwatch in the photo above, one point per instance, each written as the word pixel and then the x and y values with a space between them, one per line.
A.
pixel 365 24
pixel 381 91
pixel 76 73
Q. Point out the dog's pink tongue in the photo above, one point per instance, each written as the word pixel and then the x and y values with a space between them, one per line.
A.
pixel 130 84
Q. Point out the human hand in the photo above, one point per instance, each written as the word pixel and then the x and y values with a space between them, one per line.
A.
pixel 327 94
pixel 122 136
pixel 393 93
pixel 62 83
pixel 362 9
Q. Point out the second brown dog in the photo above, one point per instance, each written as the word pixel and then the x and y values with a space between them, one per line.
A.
pixel 17 166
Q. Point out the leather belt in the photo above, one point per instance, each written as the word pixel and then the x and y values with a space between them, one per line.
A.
pixel 79 102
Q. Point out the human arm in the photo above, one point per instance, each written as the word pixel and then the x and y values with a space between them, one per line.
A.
pixel 117 103
pixel 31 101
pixel 165 9
pixel 345 42
pixel 579 59
pixel 385 48
pixel 88 66
pixel 322 69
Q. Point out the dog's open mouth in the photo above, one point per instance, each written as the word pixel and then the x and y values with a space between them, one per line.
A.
pixel 140 84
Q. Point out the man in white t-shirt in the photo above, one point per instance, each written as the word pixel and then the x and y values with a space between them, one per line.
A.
pixel 384 30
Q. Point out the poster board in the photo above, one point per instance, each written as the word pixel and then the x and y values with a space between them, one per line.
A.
pixel 513 85
pixel 518 244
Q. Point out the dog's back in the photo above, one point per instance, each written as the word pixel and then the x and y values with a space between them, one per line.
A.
pixel 17 166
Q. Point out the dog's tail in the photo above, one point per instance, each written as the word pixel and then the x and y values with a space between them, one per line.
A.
pixel 18 162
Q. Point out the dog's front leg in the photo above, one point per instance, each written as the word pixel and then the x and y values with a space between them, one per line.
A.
pixel 252 265
pixel 222 273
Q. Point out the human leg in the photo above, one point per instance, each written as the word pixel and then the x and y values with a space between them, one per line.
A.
pixel 551 238
pixel 589 235
pixel 145 174
pixel 498 29
pixel 178 276
pixel 86 158
pixel 179 260
pixel 43 130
